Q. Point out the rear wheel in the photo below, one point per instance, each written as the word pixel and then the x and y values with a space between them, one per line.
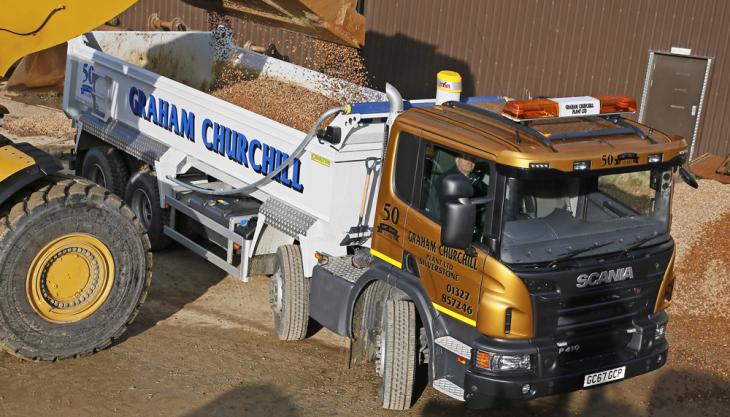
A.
pixel 396 355
pixel 290 294
pixel 143 197
pixel 75 267
pixel 106 167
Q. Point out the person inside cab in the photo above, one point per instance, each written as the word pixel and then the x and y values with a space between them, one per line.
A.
pixel 440 163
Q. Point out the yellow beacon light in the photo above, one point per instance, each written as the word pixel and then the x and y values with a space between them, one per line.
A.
pixel 448 86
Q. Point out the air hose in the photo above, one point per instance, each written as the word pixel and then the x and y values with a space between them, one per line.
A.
pixel 298 152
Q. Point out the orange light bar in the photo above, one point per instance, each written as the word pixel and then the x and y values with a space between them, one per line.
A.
pixel 567 107
pixel 531 109
pixel 617 104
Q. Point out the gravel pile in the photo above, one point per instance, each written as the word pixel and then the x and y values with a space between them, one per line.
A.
pixel 56 125
pixel 694 210
pixel 700 310
pixel 286 103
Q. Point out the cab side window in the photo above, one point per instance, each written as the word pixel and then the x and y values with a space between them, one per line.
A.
pixel 437 163
pixel 440 162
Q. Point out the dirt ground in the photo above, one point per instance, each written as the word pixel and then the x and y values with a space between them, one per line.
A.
pixel 203 345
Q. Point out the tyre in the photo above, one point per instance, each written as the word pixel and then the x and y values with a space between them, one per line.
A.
pixel 75 267
pixel 290 294
pixel 396 357
pixel 106 167
pixel 143 197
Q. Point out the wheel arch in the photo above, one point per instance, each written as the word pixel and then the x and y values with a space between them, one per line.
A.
pixel 396 284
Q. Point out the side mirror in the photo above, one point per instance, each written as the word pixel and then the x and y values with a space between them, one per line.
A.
pixel 688 177
pixel 459 214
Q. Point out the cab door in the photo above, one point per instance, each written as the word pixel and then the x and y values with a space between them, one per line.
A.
pixel 451 276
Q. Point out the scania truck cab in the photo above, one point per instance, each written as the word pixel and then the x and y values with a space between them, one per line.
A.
pixel 538 230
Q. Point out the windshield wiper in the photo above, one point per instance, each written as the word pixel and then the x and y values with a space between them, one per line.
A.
pixel 638 244
pixel 576 252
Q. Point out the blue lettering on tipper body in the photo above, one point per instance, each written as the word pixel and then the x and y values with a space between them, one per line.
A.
pixel 162 113
pixel 252 154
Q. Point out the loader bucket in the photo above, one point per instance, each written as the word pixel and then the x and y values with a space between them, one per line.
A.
pixel 42 69
pixel 330 20
pixel 30 26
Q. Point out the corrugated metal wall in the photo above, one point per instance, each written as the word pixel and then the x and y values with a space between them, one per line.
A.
pixel 522 48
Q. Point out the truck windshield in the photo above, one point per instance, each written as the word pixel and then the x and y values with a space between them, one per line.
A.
pixel 549 218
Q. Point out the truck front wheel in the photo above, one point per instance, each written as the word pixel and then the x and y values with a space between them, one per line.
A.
pixel 290 294
pixel 75 267
pixel 396 355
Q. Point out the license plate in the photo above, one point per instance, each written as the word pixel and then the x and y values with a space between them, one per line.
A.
pixel 598 378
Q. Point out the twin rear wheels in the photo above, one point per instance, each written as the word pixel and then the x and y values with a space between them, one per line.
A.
pixel 108 167
pixel 290 294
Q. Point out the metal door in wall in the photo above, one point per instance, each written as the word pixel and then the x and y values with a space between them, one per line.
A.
pixel 673 94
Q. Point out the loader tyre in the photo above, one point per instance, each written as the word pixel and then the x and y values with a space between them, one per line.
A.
pixel 396 356
pixel 143 197
pixel 106 167
pixel 75 267
pixel 290 294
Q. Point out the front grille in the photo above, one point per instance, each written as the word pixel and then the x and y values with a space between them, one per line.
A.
pixel 599 320
pixel 608 308
pixel 589 323
pixel 595 324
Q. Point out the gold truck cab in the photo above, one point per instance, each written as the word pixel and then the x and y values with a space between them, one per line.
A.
pixel 542 241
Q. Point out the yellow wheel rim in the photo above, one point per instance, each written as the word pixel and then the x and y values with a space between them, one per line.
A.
pixel 70 278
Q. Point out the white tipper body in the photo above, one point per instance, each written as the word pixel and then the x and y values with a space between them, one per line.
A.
pixel 176 67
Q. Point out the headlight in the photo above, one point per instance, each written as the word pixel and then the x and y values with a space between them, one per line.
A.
pixel 503 363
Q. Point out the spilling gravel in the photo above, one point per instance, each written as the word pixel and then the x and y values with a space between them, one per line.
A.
pixel 56 125
pixel 286 103
pixel 337 61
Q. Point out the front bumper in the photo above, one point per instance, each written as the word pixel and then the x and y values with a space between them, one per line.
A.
pixel 483 390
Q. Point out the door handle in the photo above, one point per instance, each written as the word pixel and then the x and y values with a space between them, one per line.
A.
pixel 694 110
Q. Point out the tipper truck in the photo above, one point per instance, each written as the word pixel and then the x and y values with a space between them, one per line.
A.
pixel 513 248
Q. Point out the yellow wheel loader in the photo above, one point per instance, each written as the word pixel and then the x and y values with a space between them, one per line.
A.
pixel 75 263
